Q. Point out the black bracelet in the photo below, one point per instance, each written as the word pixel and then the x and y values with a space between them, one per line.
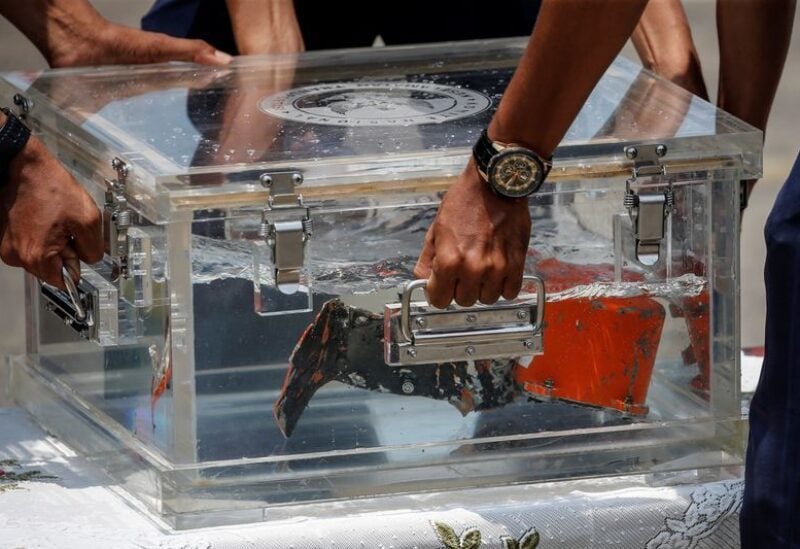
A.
pixel 14 136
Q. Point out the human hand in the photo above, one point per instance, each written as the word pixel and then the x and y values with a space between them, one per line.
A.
pixel 47 219
pixel 71 33
pixel 475 248
pixel 111 44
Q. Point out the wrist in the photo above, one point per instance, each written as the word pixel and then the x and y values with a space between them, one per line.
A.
pixel 75 36
pixel 508 134
pixel 14 139
pixel 31 154
pixel 473 182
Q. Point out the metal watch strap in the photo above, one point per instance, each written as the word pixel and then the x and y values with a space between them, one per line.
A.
pixel 14 136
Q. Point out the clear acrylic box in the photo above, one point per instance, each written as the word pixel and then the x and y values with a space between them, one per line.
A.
pixel 248 350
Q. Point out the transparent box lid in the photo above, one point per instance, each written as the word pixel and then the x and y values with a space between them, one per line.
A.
pixel 354 122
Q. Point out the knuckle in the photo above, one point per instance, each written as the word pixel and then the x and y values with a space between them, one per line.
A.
pixel 93 217
pixel 448 264
pixel 202 46
pixel 29 259
pixel 473 270
pixel 499 267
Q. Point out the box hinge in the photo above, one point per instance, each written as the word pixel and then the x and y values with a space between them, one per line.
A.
pixel 286 225
pixel 648 210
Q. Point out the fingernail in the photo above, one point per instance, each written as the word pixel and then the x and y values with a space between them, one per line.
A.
pixel 223 57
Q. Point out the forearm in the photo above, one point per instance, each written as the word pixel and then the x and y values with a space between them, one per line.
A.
pixel 572 45
pixel 663 40
pixel 265 26
pixel 754 39
pixel 47 22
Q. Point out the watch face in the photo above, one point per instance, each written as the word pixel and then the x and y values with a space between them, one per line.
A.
pixel 515 172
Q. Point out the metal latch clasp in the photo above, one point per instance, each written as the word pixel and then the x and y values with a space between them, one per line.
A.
pixel 417 333
pixel 286 225
pixel 648 210
pixel 117 218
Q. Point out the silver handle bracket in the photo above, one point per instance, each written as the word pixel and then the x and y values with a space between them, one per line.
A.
pixel 75 306
pixel 418 333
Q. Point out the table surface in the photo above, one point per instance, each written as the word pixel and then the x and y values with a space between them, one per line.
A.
pixel 52 497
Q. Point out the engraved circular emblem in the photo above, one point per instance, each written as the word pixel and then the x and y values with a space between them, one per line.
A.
pixel 375 103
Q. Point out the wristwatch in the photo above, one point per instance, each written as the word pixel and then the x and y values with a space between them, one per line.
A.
pixel 512 171
pixel 14 136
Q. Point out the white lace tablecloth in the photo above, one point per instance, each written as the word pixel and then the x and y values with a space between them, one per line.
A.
pixel 74 509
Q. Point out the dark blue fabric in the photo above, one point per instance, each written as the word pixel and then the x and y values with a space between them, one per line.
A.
pixel 770 516
pixel 356 23
pixel 204 19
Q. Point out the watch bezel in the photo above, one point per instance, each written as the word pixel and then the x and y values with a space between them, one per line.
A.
pixel 536 182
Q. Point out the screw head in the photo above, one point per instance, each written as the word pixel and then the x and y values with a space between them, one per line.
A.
pixel 522 315
pixel 470 350
pixel 528 344
pixel 411 352
pixel 297 178
pixel 631 152
pixel 472 318
pixel 407 387
pixel 120 167
pixel 661 150
pixel 421 321
pixel 266 180
pixel 22 102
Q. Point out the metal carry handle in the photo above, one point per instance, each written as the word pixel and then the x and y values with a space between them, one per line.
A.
pixel 72 292
pixel 410 287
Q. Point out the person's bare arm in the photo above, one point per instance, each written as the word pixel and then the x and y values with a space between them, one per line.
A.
pixel 72 33
pixel 47 220
pixel 476 246
pixel 754 38
pixel 269 26
pixel 663 40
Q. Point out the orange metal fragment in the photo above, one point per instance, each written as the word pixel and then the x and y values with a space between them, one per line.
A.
pixel 598 352
pixel 695 312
